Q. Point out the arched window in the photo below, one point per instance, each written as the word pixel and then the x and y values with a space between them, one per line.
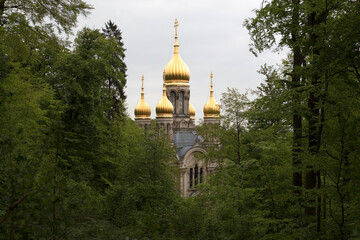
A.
pixel 196 174
pixel 181 103
pixel 201 175
pixel 173 100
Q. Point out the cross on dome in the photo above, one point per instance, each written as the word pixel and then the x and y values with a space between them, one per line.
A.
pixel 142 84
pixel 176 24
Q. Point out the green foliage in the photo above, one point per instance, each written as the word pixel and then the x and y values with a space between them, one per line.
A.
pixel 116 78
pixel 312 89
pixel 74 166
pixel 35 14
pixel 250 198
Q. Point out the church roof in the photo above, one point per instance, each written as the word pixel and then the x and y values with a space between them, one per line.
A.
pixel 184 141
pixel 182 151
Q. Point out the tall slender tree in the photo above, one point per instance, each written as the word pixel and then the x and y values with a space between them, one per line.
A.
pixel 117 81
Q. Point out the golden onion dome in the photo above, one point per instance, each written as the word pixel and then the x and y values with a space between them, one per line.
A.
pixel 176 72
pixel 164 109
pixel 211 108
pixel 191 110
pixel 142 109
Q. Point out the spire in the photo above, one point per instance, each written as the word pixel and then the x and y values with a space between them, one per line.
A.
pixel 142 109
pixel 211 108
pixel 176 45
pixel 142 86
pixel 211 85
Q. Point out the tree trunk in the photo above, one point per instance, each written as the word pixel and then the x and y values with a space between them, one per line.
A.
pixel 313 176
pixel 2 7
pixel 12 216
pixel 297 118
pixel 238 139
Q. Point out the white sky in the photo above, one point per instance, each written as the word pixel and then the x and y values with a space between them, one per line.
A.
pixel 211 38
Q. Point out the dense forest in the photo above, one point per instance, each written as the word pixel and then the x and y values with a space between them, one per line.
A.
pixel 73 165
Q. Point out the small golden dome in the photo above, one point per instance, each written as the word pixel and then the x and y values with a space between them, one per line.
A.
pixel 211 108
pixel 176 72
pixel 164 109
pixel 191 110
pixel 142 109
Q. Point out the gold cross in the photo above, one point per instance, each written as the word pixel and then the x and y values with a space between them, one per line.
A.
pixel 176 25
pixel 211 76
pixel 142 81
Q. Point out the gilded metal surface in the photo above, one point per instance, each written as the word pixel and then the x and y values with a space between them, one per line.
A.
pixel 211 108
pixel 176 71
pixel 177 84
pixel 164 109
pixel 142 109
pixel 191 110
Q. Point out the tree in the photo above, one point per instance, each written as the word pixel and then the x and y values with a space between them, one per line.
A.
pixel 22 122
pixel 142 192
pixel 248 198
pixel 234 107
pixel 117 80
pixel 80 79
pixel 34 14
pixel 309 29
pixel 53 132
pixel 26 103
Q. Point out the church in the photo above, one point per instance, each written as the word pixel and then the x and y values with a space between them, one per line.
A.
pixel 176 115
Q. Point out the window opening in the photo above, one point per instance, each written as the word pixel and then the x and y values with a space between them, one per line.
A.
pixel 173 100
pixel 181 102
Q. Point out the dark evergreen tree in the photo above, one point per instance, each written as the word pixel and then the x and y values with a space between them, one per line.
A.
pixel 116 82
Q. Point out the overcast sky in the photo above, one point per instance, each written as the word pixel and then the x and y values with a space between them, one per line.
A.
pixel 211 38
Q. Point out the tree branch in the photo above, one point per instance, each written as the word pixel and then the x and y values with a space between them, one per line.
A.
pixel 357 74
pixel 13 6
pixel 11 207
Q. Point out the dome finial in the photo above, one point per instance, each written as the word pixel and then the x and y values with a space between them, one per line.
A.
pixel 142 86
pixel 176 24
pixel 176 45
pixel 211 85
